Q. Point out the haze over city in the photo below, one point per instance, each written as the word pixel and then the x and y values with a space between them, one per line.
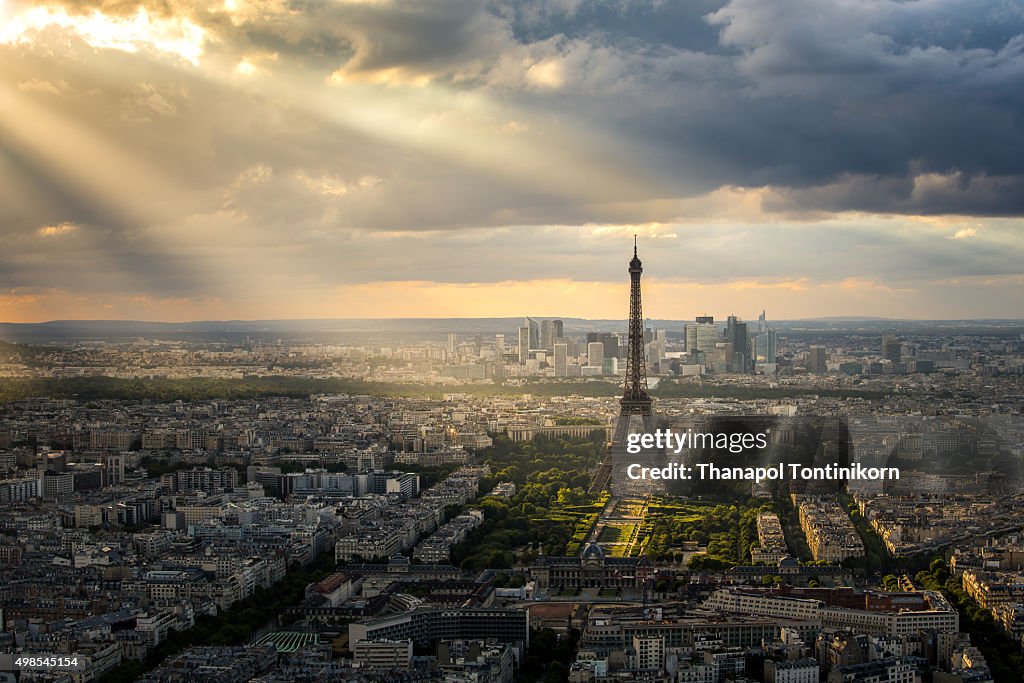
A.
pixel 245 160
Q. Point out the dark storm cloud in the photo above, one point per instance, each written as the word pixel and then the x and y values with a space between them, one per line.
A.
pixel 794 94
pixel 884 84
pixel 818 92
pixel 935 194
pixel 625 22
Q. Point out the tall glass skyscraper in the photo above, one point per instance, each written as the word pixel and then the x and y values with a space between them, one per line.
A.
pixel 529 338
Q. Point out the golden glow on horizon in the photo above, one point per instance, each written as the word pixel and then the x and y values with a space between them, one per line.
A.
pixel 677 300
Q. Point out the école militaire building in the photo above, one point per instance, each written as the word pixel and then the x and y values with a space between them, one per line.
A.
pixel 592 568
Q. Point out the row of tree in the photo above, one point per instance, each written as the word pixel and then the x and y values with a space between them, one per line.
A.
pixel 201 389
pixel 728 531
pixel 1003 653
pixel 551 502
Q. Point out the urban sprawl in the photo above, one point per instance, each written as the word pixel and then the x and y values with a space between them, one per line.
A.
pixel 443 518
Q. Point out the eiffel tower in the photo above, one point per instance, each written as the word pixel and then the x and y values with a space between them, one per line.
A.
pixel 635 403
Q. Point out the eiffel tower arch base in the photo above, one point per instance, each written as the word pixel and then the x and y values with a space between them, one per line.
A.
pixel 634 419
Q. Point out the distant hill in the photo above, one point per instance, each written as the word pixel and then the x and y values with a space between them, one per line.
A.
pixel 356 329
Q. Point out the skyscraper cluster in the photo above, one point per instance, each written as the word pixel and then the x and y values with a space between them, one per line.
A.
pixel 545 344
pixel 732 347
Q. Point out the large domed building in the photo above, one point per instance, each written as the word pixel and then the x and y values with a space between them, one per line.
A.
pixel 593 568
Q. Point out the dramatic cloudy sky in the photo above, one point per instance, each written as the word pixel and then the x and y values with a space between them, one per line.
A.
pixel 182 159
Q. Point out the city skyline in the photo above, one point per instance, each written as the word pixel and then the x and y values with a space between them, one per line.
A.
pixel 250 160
